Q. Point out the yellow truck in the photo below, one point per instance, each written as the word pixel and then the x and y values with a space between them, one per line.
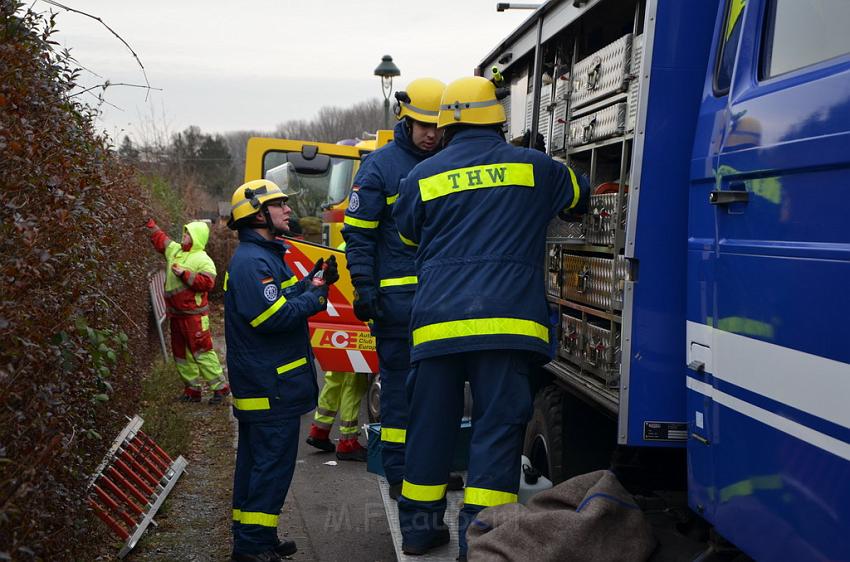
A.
pixel 319 176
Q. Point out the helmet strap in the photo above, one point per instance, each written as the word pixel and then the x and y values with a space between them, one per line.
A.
pixel 269 224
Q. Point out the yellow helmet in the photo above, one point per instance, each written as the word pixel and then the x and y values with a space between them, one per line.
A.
pixel 249 198
pixel 472 101
pixel 420 101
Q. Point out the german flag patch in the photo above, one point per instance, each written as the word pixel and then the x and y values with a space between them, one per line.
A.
pixel 266 280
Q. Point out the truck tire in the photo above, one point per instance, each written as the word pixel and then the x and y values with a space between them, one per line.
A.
pixel 373 398
pixel 544 434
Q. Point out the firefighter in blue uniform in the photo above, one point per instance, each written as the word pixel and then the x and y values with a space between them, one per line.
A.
pixel 381 264
pixel 480 311
pixel 269 362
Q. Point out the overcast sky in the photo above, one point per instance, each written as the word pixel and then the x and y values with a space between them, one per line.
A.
pixel 250 65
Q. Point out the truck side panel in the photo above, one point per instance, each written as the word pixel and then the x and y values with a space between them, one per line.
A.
pixel 651 383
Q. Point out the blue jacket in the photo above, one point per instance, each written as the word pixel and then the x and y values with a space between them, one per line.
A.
pixel 269 358
pixel 374 250
pixel 479 211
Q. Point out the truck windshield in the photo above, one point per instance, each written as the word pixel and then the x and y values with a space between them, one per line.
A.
pixel 312 184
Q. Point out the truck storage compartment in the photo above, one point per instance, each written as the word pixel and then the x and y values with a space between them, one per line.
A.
pixel 553 269
pixel 602 348
pixel 591 343
pixel 595 281
pixel 601 219
pixel 603 73
pixel 572 335
pixel 559 113
pixel 600 125
pixel 634 88
pixel 543 117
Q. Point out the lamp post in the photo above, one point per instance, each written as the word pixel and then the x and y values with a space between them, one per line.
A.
pixel 386 70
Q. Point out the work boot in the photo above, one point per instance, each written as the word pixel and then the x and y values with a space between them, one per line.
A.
pixel 219 395
pixel 395 491
pixel 455 482
pixel 190 395
pixel 269 556
pixel 285 548
pixel 351 450
pixel 439 538
pixel 318 438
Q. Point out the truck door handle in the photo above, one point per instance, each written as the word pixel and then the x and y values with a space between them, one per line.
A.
pixel 718 197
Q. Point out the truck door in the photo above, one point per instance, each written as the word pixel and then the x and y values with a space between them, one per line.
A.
pixel 318 175
pixel 769 267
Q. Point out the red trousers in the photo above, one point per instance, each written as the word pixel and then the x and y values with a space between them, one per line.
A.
pixel 192 347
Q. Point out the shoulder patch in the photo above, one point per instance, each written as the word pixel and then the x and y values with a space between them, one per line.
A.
pixel 266 280
pixel 353 201
pixel 270 292
pixel 355 188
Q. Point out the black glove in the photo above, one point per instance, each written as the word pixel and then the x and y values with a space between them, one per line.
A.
pixel 365 300
pixel 331 274
pixel 316 268
pixel 570 216
pixel 321 290
pixel 539 141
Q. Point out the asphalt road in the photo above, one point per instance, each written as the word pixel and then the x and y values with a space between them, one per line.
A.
pixel 335 512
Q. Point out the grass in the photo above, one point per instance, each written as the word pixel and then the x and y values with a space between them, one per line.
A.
pixel 167 421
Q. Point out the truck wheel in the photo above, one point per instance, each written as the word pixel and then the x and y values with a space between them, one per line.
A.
pixel 544 434
pixel 373 398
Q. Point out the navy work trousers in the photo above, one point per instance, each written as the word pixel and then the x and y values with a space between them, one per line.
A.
pixel 501 406
pixel 265 462
pixel 394 363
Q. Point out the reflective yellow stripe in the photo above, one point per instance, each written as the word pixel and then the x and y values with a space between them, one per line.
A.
pixel 487 498
pixel 237 515
pixel 393 435
pixel 407 241
pixel 268 312
pixel 734 13
pixel 392 199
pixel 289 282
pixel 476 177
pixel 291 365
pixel 395 281
pixel 420 493
pixel 480 327
pixel 226 277
pixel 248 404
pixel 576 190
pixel 258 518
pixel 360 223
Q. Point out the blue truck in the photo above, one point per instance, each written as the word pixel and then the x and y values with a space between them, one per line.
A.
pixel 700 306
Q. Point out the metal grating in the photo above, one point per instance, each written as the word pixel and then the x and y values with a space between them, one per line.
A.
pixel 506 104
pixel 559 117
pixel 634 83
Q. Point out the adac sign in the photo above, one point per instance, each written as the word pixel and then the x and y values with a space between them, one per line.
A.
pixel 342 339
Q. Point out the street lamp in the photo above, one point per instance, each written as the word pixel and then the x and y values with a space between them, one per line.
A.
pixel 386 70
